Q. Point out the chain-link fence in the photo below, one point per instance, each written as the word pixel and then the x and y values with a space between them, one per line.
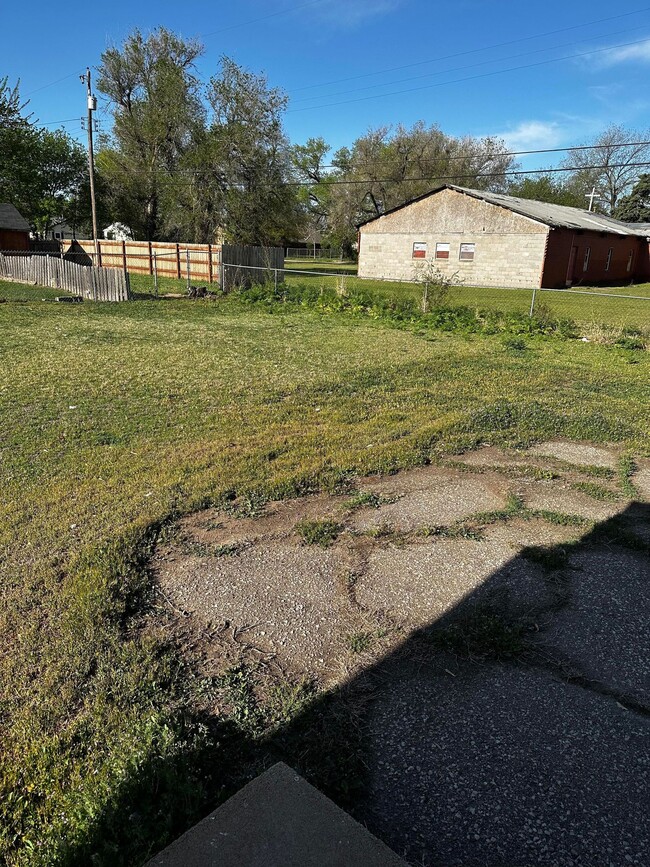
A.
pixel 623 307
pixel 166 273
pixel 312 253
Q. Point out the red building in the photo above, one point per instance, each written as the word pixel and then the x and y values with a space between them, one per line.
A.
pixel 490 239
pixel 14 229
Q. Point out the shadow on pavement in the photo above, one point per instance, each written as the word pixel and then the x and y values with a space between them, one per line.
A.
pixel 514 730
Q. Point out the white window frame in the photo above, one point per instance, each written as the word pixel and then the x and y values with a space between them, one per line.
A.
pixel 466 258
pixel 422 248
pixel 443 247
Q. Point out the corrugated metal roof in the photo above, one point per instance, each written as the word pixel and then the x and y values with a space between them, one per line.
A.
pixel 556 216
pixel 11 219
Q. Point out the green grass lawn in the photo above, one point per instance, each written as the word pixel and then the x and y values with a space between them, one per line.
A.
pixel 116 418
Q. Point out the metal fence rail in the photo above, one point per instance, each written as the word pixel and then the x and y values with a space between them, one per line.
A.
pixel 313 253
pixel 89 281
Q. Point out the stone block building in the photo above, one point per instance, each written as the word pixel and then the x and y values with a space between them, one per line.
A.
pixel 489 239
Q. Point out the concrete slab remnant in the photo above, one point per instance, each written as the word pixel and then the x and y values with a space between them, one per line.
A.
pixel 277 820
pixel 580 454
pixel 428 497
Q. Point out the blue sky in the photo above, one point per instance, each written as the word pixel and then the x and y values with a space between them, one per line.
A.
pixel 474 68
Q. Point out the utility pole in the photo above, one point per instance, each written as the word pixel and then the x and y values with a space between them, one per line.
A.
pixel 92 106
pixel 591 196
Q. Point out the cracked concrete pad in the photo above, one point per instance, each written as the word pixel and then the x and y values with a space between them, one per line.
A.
pixel 491 456
pixel 556 497
pixel 505 766
pixel 428 497
pixel 580 454
pixel 420 582
pixel 605 629
pixel 286 594
pixel 277 520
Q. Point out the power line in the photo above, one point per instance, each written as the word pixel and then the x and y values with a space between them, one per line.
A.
pixel 52 83
pixel 175 179
pixel 467 66
pixel 471 77
pixel 508 173
pixel 55 122
pixel 628 144
pixel 262 18
pixel 473 50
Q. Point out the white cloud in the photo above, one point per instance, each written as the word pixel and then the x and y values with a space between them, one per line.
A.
pixel 349 14
pixel 639 53
pixel 532 135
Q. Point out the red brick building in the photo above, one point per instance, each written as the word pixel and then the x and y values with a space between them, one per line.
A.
pixel 489 239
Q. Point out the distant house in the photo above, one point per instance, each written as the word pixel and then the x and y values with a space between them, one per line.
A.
pixel 14 229
pixel 490 239
pixel 60 231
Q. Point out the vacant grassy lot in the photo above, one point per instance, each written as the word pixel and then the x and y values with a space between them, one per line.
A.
pixel 116 418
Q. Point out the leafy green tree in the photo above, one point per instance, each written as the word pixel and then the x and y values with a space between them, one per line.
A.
pixel 635 207
pixel 155 100
pixel 40 170
pixel 548 188
pixel 385 168
pixel 251 158
pixel 315 193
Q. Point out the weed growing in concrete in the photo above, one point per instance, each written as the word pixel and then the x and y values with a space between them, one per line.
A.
pixel 322 533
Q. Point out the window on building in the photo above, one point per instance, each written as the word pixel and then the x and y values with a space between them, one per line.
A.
pixel 609 259
pixel 442 251
pixel 467 252
pixel 587 257
pixel 57 234
pixel 630 259
pixel 420 250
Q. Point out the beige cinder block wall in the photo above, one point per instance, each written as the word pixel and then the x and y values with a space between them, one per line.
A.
pixel 509 250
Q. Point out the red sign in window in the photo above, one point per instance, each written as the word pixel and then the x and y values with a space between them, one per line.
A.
pixel 442 251
pixel 419 250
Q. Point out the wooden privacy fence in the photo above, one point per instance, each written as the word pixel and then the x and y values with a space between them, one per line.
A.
pixel 96 284
pixel 192 262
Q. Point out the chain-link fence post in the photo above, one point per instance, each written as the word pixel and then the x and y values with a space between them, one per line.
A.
pixel 155 274
pixel 532 302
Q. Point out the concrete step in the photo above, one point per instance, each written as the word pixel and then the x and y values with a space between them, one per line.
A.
pixel 277 820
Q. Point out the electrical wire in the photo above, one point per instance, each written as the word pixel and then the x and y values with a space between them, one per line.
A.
pixel 467 66
pixel 470 77
pixel 472 50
